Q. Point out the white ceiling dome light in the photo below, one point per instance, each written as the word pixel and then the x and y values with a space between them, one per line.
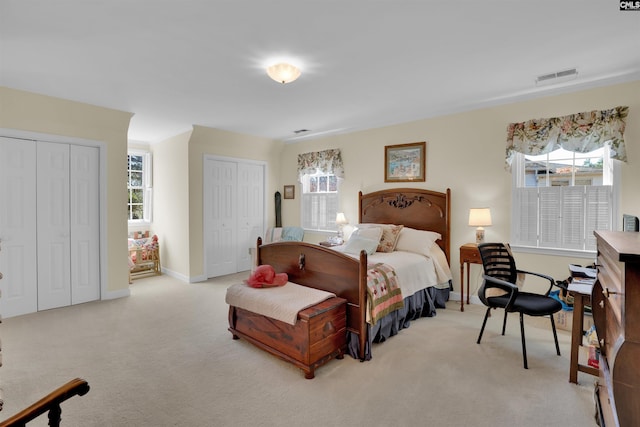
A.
pixel 283 72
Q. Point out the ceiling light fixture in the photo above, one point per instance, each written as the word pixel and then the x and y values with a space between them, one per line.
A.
pixel 283 72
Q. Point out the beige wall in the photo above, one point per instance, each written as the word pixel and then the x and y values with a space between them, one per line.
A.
pixel 171 202
pixel 465 152
pixel 28 112
pixel 183 160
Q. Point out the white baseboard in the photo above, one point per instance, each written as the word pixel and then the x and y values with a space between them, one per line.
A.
pixel 120 293
pixel 455 296
pixel 175 275
pixel 197 279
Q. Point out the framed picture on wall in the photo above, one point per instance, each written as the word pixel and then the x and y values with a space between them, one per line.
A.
pixel 289 191
pixel 405 162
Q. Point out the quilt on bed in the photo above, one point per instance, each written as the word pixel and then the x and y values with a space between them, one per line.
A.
pixel 383 291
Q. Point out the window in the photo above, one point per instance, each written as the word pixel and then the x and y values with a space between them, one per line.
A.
pixel 560 198
pixel 139 186
pixel 320 173
pixel 320 201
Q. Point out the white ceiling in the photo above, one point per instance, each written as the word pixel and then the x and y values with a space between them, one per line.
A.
pixel 365 63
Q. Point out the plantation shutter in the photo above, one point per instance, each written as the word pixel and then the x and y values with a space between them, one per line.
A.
pixel 572 220
pixel 319 211
pixel 567 218
pixel 525 216
pixel 550 205
pixel 599 202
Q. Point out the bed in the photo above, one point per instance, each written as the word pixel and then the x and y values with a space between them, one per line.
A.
pixel 345 275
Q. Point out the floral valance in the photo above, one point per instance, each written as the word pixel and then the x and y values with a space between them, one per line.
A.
pixel 327 161
pixel 580 133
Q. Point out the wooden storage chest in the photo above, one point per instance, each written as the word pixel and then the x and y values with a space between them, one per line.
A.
pixel 318 336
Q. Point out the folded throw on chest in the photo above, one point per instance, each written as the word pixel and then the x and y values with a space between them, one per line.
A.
pixel 281 303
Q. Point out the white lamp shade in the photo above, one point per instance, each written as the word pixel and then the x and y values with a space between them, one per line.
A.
pixel 341 219
pixel 479 217
pixel 283 72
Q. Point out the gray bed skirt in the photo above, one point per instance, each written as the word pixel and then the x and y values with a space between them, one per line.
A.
pixel 420 304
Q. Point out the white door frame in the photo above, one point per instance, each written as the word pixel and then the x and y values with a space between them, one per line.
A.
pixel 21 134
pixel 205 157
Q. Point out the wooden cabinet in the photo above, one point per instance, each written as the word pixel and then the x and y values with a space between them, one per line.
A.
pixel 616 314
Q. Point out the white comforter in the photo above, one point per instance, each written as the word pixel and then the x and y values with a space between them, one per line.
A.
pixel 414 271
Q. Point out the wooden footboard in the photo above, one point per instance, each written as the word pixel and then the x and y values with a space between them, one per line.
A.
pixel 325 269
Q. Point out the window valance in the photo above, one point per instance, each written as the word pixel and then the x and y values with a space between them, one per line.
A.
pixel 327 161
pixel 580 133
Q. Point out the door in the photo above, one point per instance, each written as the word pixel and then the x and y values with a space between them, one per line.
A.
pixel 220 217
pixel 250 211
pixel 17 227
pixel 53 225
pixel 49 225
pixel 85 223
pixel 233 213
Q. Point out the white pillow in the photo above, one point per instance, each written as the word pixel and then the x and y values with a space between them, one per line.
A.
pixel 373 233
pixel 416 241
pixel 359 243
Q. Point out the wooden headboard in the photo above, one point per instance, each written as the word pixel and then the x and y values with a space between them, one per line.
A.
pixel 411 207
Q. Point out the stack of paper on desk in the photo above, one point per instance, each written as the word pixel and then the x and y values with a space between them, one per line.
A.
pixel 583 279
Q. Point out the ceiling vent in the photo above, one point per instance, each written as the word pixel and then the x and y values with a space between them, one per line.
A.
pixel 557 77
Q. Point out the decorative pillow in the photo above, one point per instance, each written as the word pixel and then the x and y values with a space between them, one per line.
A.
pixel 390 234
pixel 359 243
pixel 417 241
pixel 373 233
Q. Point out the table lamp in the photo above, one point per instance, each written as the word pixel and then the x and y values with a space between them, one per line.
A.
pixel 479 217
pixel 341 220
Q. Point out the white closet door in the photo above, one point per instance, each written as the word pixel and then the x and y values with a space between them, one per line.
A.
pixel 220 217
pixel 53 226
pixel 85 224
pixel 17 230
pixel 250 210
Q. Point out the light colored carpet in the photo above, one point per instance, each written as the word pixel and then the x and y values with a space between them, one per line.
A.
pixel 164 357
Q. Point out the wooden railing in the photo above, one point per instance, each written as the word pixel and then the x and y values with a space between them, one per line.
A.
pixel 50 403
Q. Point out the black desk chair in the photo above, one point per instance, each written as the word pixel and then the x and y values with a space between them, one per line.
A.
pixel 500 273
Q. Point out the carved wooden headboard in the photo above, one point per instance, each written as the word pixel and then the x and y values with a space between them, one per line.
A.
pixel 411 207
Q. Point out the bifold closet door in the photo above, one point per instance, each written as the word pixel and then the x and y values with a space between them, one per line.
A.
pixel 233 214
pixel 67 224
pixel 250 211
pixel 17 227
pixel 49 225
pixel 53 225
pixel 84 178
pixel 220 186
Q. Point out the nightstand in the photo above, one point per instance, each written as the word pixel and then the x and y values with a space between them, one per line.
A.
pixel 469 254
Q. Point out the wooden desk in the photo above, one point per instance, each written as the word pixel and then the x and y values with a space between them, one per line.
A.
pixel 577 333
pixel 616 314
pixel 469 254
